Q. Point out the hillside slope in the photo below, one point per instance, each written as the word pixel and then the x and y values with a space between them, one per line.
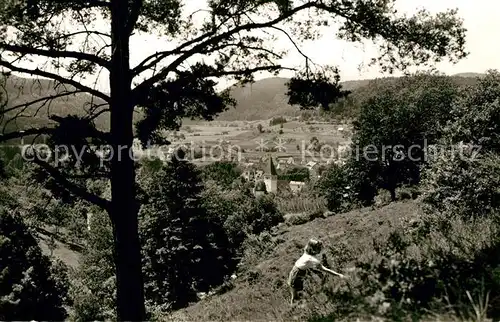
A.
pixel 266 98
pixel 23 90
pixel 260 292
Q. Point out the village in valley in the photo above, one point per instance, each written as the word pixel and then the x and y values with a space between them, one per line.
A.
pixel 265 155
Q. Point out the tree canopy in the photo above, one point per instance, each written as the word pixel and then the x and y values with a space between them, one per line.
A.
pixel 398 123
pixel 29 288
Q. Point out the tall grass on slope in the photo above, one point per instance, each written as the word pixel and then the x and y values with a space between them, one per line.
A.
pixel 432 268
pixel 300 203
pixel 260 292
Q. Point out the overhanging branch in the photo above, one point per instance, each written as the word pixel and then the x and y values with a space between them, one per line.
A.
pixel 18 134
pixel 40 100
pixel 292 41
pixel 159 56
pixel 57 54
pixel 222 73
pixel 383 27
pixel 71 187
pixel 55 77
pixel 140 89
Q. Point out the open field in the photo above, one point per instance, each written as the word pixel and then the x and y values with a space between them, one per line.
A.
pixel 239 136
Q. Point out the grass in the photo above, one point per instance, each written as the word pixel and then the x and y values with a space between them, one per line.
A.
pixel 301 204
pixel 260 292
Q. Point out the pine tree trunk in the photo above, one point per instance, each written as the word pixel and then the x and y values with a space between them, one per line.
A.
pixel 124 207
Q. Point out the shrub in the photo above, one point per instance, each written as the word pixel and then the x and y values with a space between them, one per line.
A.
pixel 256 247
pixel 296 173
pixel 277 120
pixel 260 186
pixel 264 215
pixel 94 287
pixel 408 192
pixel 29 284
pixel 241 213
pixel 185 249
pixel 338 186
pixel 463 185
pixel 474 117
pixel 223 172
pixel 11 161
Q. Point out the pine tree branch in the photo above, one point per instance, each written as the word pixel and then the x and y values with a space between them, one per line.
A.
pixel 56 54
pixel 71 187
pixel 34 131
pixel 141 89
pixel 221 73
pixel 55 77
pixel 159 56
pixel 40 100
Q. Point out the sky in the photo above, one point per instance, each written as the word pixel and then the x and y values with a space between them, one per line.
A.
pixel 480 18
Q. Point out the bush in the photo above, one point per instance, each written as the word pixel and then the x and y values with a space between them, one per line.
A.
pixel 241 213
pixel 256 247
pixel 11 161
pixel 408 192
pixel 296 173
pixel 30 285
pixel 474 117
pixel 185 249
pixel 277 120
pixel 462 185
pixel 223 172
pixel 94 287
pixel 344 189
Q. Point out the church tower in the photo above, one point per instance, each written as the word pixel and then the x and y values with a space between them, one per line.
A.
pixel 271 176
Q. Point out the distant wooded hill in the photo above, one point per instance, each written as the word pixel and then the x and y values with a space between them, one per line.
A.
pixel 267 98
pixel 24 90
pixel 259 101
